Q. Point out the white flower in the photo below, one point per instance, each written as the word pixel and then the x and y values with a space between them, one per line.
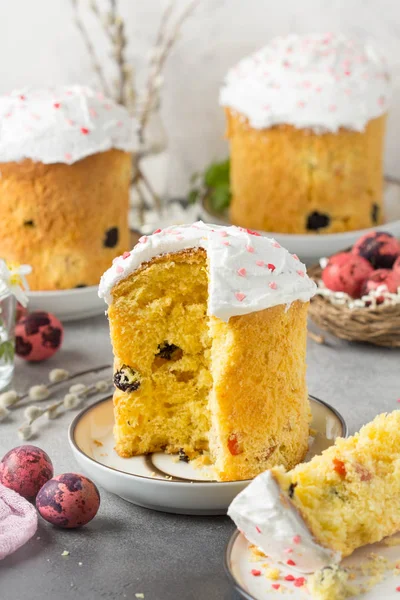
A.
pixel 25 432
pixel 57 375
pixel 13 278
pixel 71 401
pixel 31 413
pixel 8 398
pixel 39 392
pixel 102 386
pixel 78 388
pixel 3 413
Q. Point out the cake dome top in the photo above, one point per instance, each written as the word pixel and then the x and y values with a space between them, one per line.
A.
pixel 61 125
pixel 247 272
pixel 318 81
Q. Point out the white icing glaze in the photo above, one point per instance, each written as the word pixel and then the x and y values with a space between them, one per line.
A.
pixel 240 281
pixel 276 527
pixel 319 81
pixel 63 124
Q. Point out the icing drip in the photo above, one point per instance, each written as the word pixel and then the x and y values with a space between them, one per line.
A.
pixel 320 81
pixel 247 272
pixel 61 125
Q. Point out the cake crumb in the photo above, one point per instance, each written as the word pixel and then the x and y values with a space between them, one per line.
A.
pixel 97 443
pixel 139 595
pixel 272 574
pixel 65 553
pixel 80 564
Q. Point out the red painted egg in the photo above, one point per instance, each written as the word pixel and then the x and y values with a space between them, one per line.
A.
pixel 25 470
pixel 68 501
pixel 38 336
pixel 347 273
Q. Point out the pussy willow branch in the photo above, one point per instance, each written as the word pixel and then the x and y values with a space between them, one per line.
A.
pixel 90 48
pixel 164 42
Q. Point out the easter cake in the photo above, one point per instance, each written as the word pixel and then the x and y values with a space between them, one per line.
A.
pixel 321 511
pixel 306 121
pixel 208 328
pixel 65 164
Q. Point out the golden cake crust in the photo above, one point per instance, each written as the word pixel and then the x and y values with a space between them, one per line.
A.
pixel 282 175
pixel 58 218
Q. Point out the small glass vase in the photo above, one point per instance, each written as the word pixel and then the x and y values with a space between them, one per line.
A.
pixel 7 337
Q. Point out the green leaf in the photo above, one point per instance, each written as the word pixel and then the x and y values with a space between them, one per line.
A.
pixel 217 174
pixel 193 196
pixel 220 197
pixel 7 351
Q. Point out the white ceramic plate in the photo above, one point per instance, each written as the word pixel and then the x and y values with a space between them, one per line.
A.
pixel 160 481
pixel 69 305
pixel 311 247
pixel 240 560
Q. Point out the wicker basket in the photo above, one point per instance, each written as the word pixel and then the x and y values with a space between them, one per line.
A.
pixel 379 326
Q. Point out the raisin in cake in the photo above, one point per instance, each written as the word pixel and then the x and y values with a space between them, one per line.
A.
pixel 208 327
pixel 65 164
pixel 306 120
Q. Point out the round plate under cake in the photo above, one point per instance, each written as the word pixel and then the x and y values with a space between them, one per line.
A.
pixel 162 482
pixel 69 305
pixel 372 566
pixel 311 247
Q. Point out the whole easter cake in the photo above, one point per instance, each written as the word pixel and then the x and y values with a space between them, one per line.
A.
pixel 65 164
pixel 305 120
pixel 208 327
pixel 321 511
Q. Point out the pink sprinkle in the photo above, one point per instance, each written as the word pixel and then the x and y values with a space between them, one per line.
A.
pixel 68 93
pixel 119 269
pixel 258 529
pixel 253 232
pixel 68 156
pixel 271 267
pixel 223 234
pixel 84 130
pixel 332 107
pixel 241 272
pixel 249 248
pixel 318 89
pixel 301 104
pixel 267 107
pixel 398 400
pixel 381 100
pixel 226 243
pixel 291 562
pixel 57 104
pixel 114 260
pixel 276 245
pixel 93 112
pixel 348 73
pixel 240 296
pixel 256 572
pixel 295 256
pixel 107 106
pixel 398 588
pixel 119 124
pixel 288 550
pixel 126 254
pixel 260 263
pixel 8 115
pixel 300 581
pixel 272 285
pixel 70 122
pixel 290 578
pixel 296 539
pixel 22 97
pixel 143 239
pixel 157 231
pixel 276 586
pixel 301 273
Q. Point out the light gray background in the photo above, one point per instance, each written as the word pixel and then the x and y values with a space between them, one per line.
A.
pixel 128 549
pixel 39 45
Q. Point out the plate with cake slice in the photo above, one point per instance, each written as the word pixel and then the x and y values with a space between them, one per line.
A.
pixel 171 482
pixel 329 527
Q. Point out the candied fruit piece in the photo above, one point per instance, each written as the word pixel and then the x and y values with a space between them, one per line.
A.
pixel 234 446
pixel 339 467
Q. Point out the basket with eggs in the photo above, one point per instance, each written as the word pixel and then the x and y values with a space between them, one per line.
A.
pixel 358 297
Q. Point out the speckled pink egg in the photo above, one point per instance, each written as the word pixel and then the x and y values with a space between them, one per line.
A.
pixel 69 500
pixel 38 336
pixel 347 273
pixel 25 470
pixel 382 277
pixel 396 266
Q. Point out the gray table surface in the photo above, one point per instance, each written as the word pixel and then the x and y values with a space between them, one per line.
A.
pixel 127 549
